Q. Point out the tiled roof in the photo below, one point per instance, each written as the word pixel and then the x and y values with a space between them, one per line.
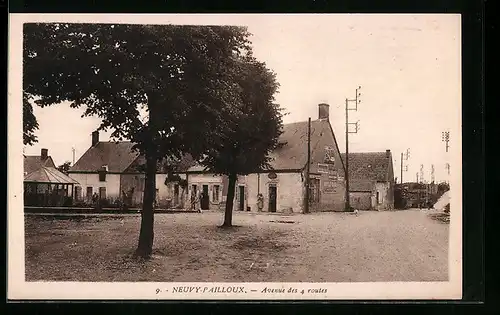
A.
pixel 292 155
pixel 119 158
pixel 49 175
pixel 35 162
pixel 176 165
pixel 374 166
pixel 196 168
pixel 360 185
pixel 116 155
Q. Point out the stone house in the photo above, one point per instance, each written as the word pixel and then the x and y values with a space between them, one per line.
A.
pixel 284 187
pixel 371 180
pixel 112 170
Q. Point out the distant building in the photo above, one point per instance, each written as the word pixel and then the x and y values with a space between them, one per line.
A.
pixel 418 195
pixel 371 180
pixel 44 184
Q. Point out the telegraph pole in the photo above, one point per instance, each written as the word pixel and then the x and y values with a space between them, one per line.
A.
pixel 308 166
pixel 356 101
pixel 422 173
pixel 406 157
pixel 73 150
pixel 401 168
pixel 432 174
pixel 445 137
pixel 418 192
pixel 347 195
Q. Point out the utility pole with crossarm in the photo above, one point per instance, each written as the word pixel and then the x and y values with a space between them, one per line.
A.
pixel 356 101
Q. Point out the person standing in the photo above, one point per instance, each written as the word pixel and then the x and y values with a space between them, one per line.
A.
pixel 96 201
pixel 193 201
pixel 260 202
pixel 200 201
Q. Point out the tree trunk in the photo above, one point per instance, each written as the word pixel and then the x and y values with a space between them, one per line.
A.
pixel 228 214
pixel 145 247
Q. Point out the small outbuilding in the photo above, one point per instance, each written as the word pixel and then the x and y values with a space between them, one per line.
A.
pixel 44 185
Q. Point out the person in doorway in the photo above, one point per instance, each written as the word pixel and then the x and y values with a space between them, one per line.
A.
pixel 95 200
pixel 193 201
pixel 260 202
pixel 201 196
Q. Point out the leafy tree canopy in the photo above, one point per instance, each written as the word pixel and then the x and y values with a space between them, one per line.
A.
pixel 30 123
pixel 64 168
pixel 182 76
pixel 247 149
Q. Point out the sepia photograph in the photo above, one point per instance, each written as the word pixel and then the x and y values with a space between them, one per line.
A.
pixel 306 156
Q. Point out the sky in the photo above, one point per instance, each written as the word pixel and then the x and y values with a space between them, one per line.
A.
pixel 408 67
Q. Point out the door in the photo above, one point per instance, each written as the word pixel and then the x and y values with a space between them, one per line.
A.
pixel 78 193
pixel 215 193
pixel 89 194
pixel 194 193
pixel 176 194
pixel 241 201
pixel 272 198
pixel 314 191
pixel 205 201
pixel 102 193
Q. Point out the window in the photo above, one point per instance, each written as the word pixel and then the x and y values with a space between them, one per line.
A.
pixel 102 176
pixel 215 193
pixel 102 193
pixel 378 198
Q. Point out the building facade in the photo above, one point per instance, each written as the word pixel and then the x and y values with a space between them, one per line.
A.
pixel 283 188
pixel 111 172
pixel 371 180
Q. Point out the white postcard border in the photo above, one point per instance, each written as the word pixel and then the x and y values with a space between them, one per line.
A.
pixel 18 288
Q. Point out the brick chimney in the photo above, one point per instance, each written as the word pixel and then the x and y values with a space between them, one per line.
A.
pixel 95 138
pixel 44 154
pixel 324 111
pixel 388 153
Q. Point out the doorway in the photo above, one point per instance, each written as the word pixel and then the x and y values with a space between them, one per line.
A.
pixel 194 193
pixel 241 198
pixel 102 193
pixel 176 194
pixel 314 191
pixel 89 194
pixel 272 198
pixel 205 201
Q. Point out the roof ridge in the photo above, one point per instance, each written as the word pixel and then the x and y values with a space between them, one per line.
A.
pixel 37 156
pixel 304 121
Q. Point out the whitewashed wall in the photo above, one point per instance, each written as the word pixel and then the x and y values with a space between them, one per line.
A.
pixel 112 184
